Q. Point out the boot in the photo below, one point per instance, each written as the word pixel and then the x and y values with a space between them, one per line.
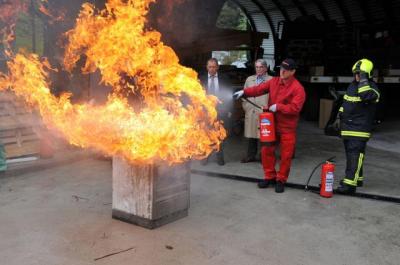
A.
pixel 360 183
pixel 266 183
pixel 279 187
pixel 346 189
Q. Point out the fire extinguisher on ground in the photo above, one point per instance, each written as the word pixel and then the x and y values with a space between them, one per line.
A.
pixel 327 178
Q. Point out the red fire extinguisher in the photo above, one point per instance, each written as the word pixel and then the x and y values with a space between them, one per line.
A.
pixel 267 127
pixel 327 177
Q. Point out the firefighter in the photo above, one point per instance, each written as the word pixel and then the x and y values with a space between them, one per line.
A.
pixel 357 116
pixel 286 99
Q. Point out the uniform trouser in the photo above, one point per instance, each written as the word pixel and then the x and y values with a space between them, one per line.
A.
pixel 252 148
pixel 287 142
pixel 355 152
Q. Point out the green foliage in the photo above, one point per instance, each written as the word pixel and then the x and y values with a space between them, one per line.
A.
pixel 232 17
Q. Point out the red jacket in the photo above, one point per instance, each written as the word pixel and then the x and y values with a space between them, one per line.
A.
pixel 289 99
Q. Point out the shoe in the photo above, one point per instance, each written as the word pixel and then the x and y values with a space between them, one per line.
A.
pixel 360 183
pixel 266 183
pixel 220 161
pixel 279 187
pixel 248 160
pixel 346 189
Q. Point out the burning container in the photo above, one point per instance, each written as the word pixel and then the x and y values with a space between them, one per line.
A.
pixel 152 195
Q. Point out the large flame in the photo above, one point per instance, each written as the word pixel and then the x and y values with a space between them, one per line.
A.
pixel 176 120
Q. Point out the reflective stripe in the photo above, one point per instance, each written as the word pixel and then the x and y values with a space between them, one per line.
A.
pixel 379 95
pixel 359 166
pixel 368 88
pixel 341 109
pixel 357 174
pixel 356 134
pixel 364 88
pixel 350 182
pixel 352 99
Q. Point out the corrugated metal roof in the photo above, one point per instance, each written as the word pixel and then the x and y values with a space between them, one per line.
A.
pixel 356 12
pixel 340 11
pixel 312 9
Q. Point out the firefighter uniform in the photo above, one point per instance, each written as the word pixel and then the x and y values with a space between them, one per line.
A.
pixel 357 116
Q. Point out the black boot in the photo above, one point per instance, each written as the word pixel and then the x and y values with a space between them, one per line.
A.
pixel 346 189
pixel 266 183
pixel 279 187
pixel 360 183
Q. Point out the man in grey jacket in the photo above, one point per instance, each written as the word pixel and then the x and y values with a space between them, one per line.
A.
pixel 252 113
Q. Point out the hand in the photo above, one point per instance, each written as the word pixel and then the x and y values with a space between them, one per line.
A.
pixel 238 94
pixel 273 108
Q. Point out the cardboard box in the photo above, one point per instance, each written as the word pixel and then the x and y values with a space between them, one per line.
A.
pixel 325 109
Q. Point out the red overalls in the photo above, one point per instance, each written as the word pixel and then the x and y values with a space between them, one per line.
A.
pixel 289 97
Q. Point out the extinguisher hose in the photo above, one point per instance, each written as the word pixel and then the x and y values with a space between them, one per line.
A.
pixel 252 103
pixel 317 166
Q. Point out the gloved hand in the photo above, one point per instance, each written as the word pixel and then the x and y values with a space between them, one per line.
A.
pixel 273 108
pixel 238 94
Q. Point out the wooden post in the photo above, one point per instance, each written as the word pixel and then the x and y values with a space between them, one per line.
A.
pixel 152 195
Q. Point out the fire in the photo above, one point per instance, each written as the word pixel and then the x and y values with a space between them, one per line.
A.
pixel 9 11
pixel 177 120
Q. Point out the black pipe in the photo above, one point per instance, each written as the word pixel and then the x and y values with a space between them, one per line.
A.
pixel 362 195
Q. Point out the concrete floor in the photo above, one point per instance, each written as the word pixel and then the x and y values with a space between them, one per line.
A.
pixel 381 165
pixel 63 216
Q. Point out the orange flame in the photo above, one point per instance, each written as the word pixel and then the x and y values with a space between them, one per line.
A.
pixel 9 11
pixel 52 17
pixel 177 121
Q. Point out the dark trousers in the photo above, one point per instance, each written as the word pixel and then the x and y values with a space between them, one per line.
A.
pixel 355 152
pixel 252 147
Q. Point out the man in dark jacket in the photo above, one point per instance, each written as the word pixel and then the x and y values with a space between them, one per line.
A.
pixel 286 99
pixel 357 116
pixel 218 85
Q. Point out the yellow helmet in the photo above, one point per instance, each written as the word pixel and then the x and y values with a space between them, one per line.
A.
pixel 363 65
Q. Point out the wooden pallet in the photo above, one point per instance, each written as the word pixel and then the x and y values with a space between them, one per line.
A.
pixel 18 127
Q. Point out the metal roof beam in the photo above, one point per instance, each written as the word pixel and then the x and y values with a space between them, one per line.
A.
pixel 300 7
pixel 345 12
pixel 322 9
pixel 364 9
pixel 281 9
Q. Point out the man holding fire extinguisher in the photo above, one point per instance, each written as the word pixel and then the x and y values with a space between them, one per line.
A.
pixel 357 116
pixel 286 99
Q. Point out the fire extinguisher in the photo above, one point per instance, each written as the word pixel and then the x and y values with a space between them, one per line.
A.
pixel 267 127
pixel 266 124
pixel 327 177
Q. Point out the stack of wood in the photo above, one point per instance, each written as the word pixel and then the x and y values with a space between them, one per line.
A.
pixel 19 128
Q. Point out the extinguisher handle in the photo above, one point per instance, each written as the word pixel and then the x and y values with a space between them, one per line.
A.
pixel 331 159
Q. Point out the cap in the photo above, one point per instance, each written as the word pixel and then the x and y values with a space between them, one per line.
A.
pixel 288 64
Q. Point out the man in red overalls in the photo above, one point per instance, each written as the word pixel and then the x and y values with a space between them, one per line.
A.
pixel 286 99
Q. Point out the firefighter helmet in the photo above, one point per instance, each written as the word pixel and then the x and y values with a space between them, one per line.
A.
pixel 363 65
